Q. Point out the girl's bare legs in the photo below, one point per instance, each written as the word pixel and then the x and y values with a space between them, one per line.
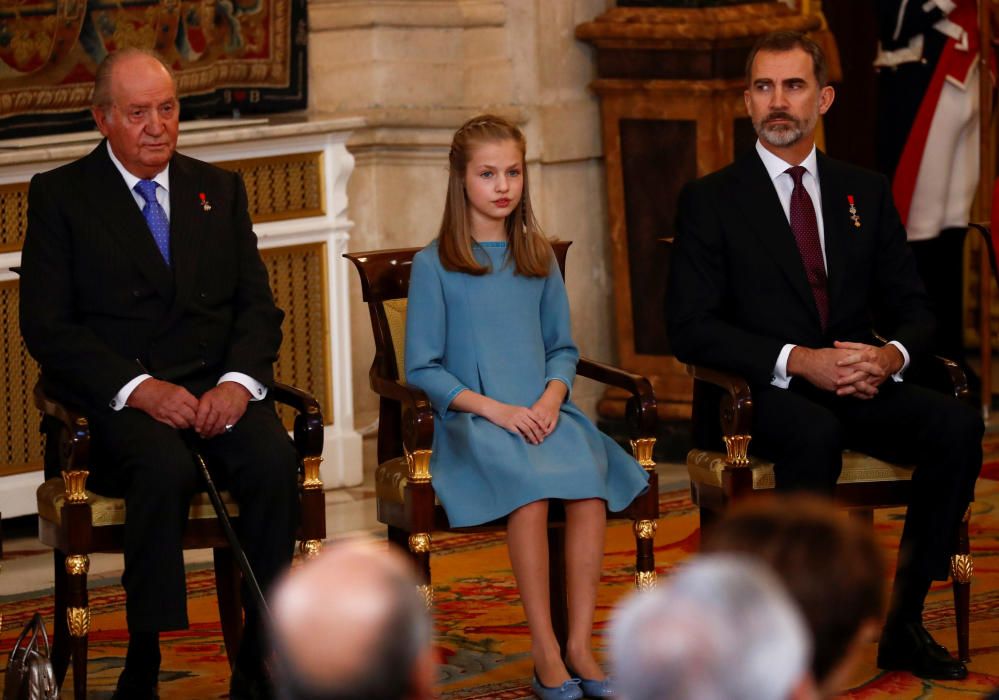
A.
pixel 585 528
pixel 527 539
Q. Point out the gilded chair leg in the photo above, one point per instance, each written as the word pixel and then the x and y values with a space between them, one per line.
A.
pixel 557 586
pixel 310 549
pixel 80 644
pixel 418 545
pixel 227 588
pixel 78 618
pixel 60 633
pixel 962 567
pixel 645 562
pixel 419 499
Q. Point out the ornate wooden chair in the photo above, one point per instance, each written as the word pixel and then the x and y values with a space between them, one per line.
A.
pixel 76 522
pixel 723 415
pixel 404 489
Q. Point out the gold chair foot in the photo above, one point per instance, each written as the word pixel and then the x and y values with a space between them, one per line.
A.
pixel 962 567
pixel 645 580
pixel 311 548
pixel 427 591
pixel 78 620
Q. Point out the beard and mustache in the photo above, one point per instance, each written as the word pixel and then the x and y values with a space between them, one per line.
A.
pixel 787 134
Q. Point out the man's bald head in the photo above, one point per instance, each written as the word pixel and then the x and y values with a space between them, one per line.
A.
pixel 350 624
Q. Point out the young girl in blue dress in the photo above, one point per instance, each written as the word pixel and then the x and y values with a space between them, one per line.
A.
pixel 488 338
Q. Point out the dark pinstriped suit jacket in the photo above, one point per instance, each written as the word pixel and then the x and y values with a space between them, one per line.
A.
pixel 99 304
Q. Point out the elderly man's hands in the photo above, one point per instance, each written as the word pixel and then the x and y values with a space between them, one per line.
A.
pixel 166 402
pixel 175 406
pixel 849 369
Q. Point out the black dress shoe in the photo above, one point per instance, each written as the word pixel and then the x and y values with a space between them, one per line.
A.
pixel 244 686
pixel 128 689
pixel 910 647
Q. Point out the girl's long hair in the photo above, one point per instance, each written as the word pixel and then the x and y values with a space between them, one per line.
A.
pixel 530 251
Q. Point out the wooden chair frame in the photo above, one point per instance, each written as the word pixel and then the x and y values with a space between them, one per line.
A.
pixel 67 452
pixel 406 425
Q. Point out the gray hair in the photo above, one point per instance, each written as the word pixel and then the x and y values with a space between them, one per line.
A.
pixel 721 628
pixel 101 99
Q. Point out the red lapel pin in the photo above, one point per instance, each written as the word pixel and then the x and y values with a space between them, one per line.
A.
pixel 853 211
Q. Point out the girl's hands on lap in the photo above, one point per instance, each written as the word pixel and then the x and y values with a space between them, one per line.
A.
pixel 518 420
pixel 548 406
pixel 546 409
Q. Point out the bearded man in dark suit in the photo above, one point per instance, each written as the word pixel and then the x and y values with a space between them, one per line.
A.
pixel 786 263
pixel 146 303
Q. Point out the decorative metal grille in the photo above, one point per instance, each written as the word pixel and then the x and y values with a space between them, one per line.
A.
pixel 282 187
pixel 13 216
pixel 298 280
pixel 20 442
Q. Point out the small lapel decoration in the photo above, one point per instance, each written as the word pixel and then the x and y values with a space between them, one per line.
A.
pixel 206 205
pixel 853 211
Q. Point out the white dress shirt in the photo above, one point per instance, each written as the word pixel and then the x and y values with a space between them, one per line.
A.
pixel 257 390
pixel 784 184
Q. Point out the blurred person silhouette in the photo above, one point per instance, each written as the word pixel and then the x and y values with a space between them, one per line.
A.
pixel 351 625
pixel 830 565
pixel 721 628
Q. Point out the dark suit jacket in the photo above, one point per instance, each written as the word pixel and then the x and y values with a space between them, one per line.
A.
pixel 738 290
pixel 99 304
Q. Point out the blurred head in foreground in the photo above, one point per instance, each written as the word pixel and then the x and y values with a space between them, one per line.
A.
pixel 350 625
pixel 831 566
pixel 720 628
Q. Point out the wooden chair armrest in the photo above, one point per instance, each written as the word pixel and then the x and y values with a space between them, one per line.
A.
pixel 937 372
pixel 958 379
pixel 942 374
pixel 74 445
pixel 298 399
pixel 636 384
pixel 736 409
pixel 308 432
pixel 417 413
pixel 641 407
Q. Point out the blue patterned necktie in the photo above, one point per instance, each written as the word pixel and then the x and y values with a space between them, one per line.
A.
pixel 156 218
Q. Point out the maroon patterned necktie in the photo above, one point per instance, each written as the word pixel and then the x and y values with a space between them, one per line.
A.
pixel 806 233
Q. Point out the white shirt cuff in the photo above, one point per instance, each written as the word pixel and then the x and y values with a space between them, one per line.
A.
pixel 257 390
pixel 946 6
pixel 905 359
pixel 120 399
pixel 780 379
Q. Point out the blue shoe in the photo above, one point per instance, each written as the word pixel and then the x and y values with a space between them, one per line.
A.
pixel 594 689
pixel 567 691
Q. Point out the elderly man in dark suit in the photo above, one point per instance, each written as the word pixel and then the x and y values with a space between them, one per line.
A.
pixel 786 263
pixel 145 301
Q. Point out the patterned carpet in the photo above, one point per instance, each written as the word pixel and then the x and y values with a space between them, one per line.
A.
pixel 482 638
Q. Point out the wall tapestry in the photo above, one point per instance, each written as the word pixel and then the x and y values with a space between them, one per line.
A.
pixel 246 56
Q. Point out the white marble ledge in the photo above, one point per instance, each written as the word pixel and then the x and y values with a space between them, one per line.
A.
pixel 20 151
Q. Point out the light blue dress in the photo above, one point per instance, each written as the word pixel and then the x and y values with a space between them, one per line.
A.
pixel 505 336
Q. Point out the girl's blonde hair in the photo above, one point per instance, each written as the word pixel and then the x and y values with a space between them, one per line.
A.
pixel 530 251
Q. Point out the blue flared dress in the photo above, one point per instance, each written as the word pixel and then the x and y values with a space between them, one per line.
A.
pixel 505 336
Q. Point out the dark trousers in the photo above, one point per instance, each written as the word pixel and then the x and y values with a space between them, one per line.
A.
pixel 150 464
pixel 804 430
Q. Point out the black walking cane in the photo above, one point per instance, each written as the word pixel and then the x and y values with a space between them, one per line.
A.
pixel 230 534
